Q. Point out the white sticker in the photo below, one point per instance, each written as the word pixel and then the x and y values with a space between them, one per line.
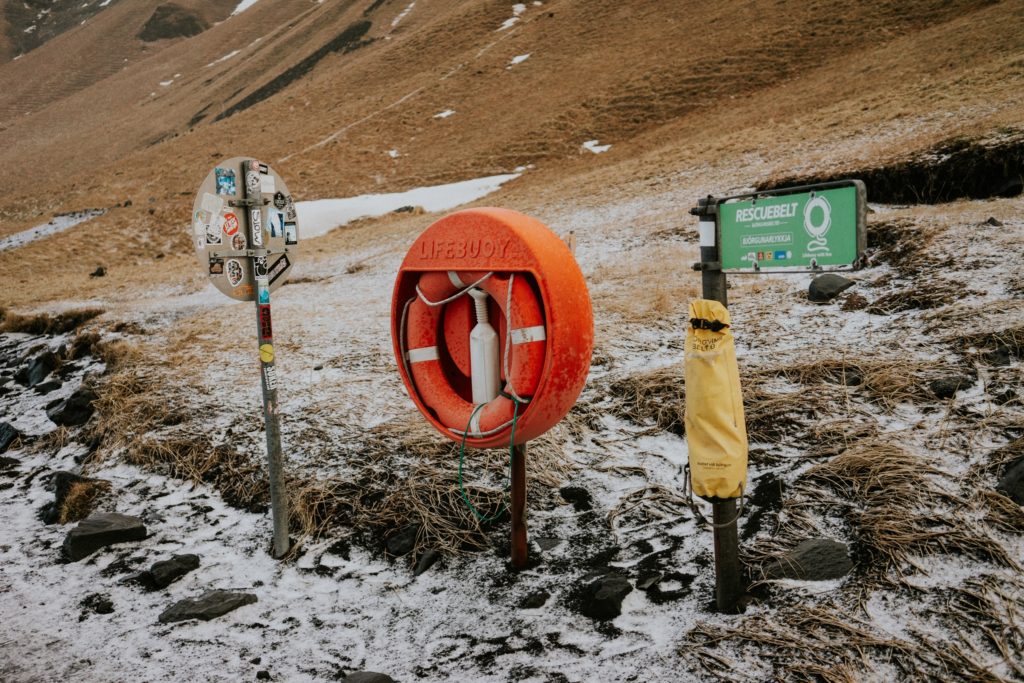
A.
pixel 212 203
pixel 707 233
pixel 267 184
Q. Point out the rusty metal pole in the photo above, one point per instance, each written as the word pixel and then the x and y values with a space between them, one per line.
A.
pixel 728 576
pixel 519 545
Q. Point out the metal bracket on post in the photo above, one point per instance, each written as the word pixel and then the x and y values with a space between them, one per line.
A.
pixel 728 575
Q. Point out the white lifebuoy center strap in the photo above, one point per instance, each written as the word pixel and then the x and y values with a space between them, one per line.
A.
pixel 526 335
pixel 423 354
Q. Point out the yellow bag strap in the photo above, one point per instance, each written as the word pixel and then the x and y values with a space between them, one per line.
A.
pixel 688 492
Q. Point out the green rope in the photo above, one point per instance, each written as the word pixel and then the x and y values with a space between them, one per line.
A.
pixel 462 458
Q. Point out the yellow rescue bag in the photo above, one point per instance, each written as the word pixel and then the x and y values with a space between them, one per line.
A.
pixel 715 429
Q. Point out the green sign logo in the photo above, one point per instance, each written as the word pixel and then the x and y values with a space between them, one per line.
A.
pixel 795 232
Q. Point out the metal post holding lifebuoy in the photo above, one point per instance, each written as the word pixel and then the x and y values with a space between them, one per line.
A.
pixel 520 546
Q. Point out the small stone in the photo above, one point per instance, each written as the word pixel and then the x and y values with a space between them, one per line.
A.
pixel 826 287
pixel 535 600
pixel 816 559
pixel 1012 482
pixel 263 675
pixel 602 599
pixel 426 561
pixel 100 530
pixel 166 572
pixel 578 496
pixel 403 541
pixel 948 386
pixel 39 367
pixel 99 272
pixel 46 387
pixel 318 366
pixel 368 677
pixel 7 463
pixel 7 436
pixel 994 222
pixel 75 410
pixel 209 605
pixel 96 603
pixel 648 579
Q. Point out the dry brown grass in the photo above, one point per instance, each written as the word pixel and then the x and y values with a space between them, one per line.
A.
pixel 658 397
pixel 639 288
pixel 81 500
pixel 407 475
pixel 897 507
pixel 885 382
pixel 826 643
pixel 45 323
pixel 921 295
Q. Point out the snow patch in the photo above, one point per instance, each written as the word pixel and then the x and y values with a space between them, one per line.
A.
pixel 393 153
pixel 320 216
pixel 518 59
pixel 57 224
pixel 224 58
pixel 444 114
pixel 243 5
pixel 593 146
pixel 517 10
pixel 397 20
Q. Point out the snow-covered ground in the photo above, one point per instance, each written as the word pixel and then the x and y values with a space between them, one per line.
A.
pixel 343 606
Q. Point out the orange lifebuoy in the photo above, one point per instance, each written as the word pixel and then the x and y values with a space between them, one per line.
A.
pixel 535 289
pixel 524 342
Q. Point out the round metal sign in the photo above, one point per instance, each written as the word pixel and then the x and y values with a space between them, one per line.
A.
pixel 244 226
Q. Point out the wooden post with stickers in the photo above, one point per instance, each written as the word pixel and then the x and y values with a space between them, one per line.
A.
pixel 493 330
pixel 247 258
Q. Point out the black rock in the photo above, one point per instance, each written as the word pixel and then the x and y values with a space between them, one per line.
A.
pixel 40 367
pixel 100 530
pixel 7 463
pixel 535 600
pixel 648 579
pixel 75 410
pixel 578 496
pixel 1001 355
pixel 47 387
pixel 826 287
pixel 263 675
pixel 816 559
pixel 426 561
pixel 993 221
pixel 368 677
pixel 602 599
pixel 99 272
pixel 166 572
pixel 7 436
pixel 209 605
pixel 402 541
pixel 948 386
pixel 1012 482
pixel 96 603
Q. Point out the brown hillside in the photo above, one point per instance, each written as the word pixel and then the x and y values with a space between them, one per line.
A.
pixel 697 99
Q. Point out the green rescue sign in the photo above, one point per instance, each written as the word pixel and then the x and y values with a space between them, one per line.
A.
pixel 819 228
